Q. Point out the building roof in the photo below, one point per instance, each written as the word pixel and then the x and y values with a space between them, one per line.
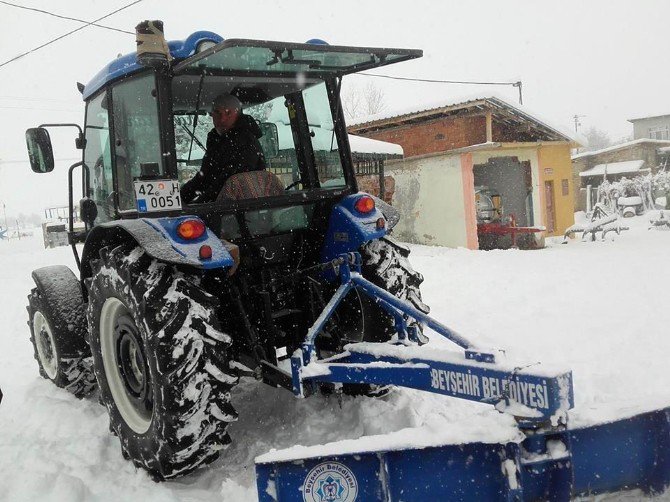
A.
pixel 628 166
pixel 621 146
pixel 323 140
pixel 359 144
pixel 502 111
pixel 649 117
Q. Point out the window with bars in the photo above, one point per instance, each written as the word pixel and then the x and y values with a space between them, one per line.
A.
pixel 659 132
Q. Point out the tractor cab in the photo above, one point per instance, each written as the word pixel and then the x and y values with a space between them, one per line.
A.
pixel 147 122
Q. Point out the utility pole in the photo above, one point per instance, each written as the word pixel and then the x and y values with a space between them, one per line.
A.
pixel 577 122
pixel 519 84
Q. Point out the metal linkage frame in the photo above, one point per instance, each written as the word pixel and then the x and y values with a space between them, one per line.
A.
pixel 534 399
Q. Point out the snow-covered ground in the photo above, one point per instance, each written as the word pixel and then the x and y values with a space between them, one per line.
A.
pixel 598 308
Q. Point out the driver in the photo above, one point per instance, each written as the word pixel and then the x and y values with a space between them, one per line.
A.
pixel 232 148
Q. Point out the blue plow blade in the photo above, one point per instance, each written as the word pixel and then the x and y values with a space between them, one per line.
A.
pixel 543 460
pixel 626 454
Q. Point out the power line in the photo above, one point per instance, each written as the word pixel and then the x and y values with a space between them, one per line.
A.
pixel 64 17
pixel 26 98
pixel 37 108
pixel 27 161
pixel 435 81
pixel 518 83
pixel 69 33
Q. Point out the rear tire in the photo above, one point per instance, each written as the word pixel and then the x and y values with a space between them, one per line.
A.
pixel 386 264
pixel 58 331
pixel 160 360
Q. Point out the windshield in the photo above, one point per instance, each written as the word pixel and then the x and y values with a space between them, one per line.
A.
pixel 295 132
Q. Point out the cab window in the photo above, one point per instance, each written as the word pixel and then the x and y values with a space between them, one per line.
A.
pixel 137 151
pixel 98 157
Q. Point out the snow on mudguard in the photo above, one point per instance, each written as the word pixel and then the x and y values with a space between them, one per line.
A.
pixel 168 247
pixel 348 229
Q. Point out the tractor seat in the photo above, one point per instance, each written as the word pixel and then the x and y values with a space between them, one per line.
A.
pixel 251 185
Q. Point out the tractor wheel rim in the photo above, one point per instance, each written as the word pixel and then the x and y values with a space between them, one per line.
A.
pixel 125 365
pixel 132 364
pixel 46 345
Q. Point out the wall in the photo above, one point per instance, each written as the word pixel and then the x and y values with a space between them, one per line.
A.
pixel 370 183
pixel 435 135
pixel 555 165
pixel 429 195
pixel 641 127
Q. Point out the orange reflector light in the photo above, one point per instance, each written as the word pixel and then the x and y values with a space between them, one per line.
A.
pixel 381 223
pixel 205 252
pixel 190 229
pixel 365 204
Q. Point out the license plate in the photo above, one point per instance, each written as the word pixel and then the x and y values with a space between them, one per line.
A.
pixel 157 195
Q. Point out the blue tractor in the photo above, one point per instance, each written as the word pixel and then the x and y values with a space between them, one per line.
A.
pixel 289 276
pixel 175 301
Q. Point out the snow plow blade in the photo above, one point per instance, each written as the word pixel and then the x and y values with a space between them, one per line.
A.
pixel 537 458
pixel 626 454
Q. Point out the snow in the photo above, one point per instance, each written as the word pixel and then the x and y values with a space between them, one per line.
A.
pixel 620 146
pixel 323 140
pixel 360 144
pixel 598 308
pixel 628 166
pixel 633 200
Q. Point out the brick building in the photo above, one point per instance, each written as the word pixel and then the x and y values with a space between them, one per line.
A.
pixel 453 148
pixel 628 159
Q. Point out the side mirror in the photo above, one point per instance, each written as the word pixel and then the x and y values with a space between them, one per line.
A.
pixel 88 211
pixel 40 151
pixel 270 139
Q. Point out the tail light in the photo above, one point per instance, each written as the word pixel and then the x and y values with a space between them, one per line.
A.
pixel 190 229
pixel 205 252
pixel 365 204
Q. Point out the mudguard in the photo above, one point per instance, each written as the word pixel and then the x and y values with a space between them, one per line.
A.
pixel 391 214
pixel 158 238
pixel 348 229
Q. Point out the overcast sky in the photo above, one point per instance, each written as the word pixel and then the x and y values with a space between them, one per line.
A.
pixel 605 60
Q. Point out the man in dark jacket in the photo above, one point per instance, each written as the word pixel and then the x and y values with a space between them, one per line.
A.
pixel 232 148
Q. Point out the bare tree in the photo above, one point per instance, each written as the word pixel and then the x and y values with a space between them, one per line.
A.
pixel 597 139
pixel 358 102
pixel 374 99
pixel 351 103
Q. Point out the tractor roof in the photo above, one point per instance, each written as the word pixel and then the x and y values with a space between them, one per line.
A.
pixel 315 58
pixel 127 65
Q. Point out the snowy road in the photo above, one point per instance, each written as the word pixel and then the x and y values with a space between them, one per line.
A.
pixel 600 309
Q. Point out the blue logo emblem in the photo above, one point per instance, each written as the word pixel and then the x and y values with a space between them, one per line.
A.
pixel 142 205
pixel 330 482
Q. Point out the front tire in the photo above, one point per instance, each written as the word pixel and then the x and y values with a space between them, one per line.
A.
pixel 56 317
pixel 160 360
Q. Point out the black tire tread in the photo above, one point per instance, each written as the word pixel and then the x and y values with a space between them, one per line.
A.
pixel 386 264
pixel 74 371
pixel 180 330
